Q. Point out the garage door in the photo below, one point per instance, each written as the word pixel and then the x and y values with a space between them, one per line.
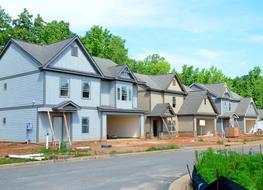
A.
pixel 123 126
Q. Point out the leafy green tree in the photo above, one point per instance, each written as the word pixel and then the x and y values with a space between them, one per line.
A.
pixel 5 27
pixel 102 43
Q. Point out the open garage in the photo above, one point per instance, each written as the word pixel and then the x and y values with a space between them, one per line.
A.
pixel 250 123
pixel 205 126
pixel 123 126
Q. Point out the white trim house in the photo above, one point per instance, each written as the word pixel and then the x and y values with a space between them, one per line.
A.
pixel 60 90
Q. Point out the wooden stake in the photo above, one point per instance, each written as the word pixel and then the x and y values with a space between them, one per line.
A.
pixel 67 129
pixel 189 172
pixel 51 127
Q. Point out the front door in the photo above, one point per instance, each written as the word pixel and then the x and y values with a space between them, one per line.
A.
pixel 155 128
pixel 58 128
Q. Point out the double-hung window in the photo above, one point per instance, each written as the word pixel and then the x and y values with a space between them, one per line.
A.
pixel 64 87
pixel 118 93
pixel 86 90
pixel 130 94
pixel 85 125
pixel 5 86
pixel 124 93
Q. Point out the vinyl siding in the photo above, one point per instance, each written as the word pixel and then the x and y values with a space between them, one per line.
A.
pixel 156 98
pixel 94 125
pixel 176 87
pixel 22 91
pixel 251 110
pixel 15 127
pixel 75 89
pixel 168 98
pixel 105 93
pixel 15 61
pixel 143 99
pixel 135 96
pixel 66 61
pixel 206 108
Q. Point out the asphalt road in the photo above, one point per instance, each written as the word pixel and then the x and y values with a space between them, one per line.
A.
pixel 142 171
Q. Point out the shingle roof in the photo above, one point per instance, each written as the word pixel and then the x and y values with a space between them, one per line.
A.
pixel 108 67
pixel 158 82
pixel 243 105
pixel 162 110
pixel 43 53
pixel 187 88
pixel 193 101
pixel 218 89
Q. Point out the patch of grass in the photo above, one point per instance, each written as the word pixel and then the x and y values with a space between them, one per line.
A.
pixel 13 160
pixel 166 147
pixel 219 142
pixel 251 139
pixel 199 140
pixel 246 170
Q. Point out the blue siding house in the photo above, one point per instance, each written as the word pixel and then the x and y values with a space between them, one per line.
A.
pixel 234 110
pixel 60 90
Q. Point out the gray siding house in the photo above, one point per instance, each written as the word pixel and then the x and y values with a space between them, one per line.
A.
pixel 234 110
pixel 60 90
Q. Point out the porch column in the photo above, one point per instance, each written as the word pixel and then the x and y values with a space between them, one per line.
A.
pixel 215 127
pixel 195 128
pixel 245 125
pixel 142 125
pixel 104 126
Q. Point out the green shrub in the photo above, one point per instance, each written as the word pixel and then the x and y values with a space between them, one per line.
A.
pixel 199 140
pixel 166 147
pixel 246 170
pixel 219 142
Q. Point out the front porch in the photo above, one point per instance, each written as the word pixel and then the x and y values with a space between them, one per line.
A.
pixel 55 122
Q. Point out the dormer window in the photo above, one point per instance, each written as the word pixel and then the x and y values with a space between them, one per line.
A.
pixel 74 51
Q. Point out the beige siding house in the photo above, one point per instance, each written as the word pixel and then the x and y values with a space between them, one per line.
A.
pixel 172 110
pixel 162 96
pixel 197 116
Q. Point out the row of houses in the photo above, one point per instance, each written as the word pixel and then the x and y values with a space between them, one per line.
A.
pixel 60 90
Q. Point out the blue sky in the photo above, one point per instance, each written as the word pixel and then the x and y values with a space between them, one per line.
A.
pixel 225 33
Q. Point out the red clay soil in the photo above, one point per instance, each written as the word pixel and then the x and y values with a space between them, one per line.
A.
pixel 131 145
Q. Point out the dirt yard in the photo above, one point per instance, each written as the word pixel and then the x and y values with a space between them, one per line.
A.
pixel 135 145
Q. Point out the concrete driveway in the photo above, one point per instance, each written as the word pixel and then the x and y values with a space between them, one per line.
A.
pixel 142 171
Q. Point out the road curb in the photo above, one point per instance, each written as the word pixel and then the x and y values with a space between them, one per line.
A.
pixel 183 183
pixel 106 156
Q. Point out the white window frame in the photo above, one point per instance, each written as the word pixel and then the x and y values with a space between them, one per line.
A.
pixel 124 88
pixel 130 94
pixel 85 125
pixel 60 87
pixel 82 90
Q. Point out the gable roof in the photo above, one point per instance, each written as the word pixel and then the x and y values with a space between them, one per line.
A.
pixel 111 69
pixel 218 90
pixel 193 101
pixel 44 54
pixel 159 82
pixel 162 110
pixel 187 88
pixel 68 106
pixel 243 105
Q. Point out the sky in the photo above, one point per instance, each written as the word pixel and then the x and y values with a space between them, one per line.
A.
pixel 225 33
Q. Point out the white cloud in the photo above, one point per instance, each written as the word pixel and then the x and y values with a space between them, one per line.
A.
pixel 256 38
pixel 205 53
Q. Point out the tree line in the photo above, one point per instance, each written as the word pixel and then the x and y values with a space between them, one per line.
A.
pixel 101 42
